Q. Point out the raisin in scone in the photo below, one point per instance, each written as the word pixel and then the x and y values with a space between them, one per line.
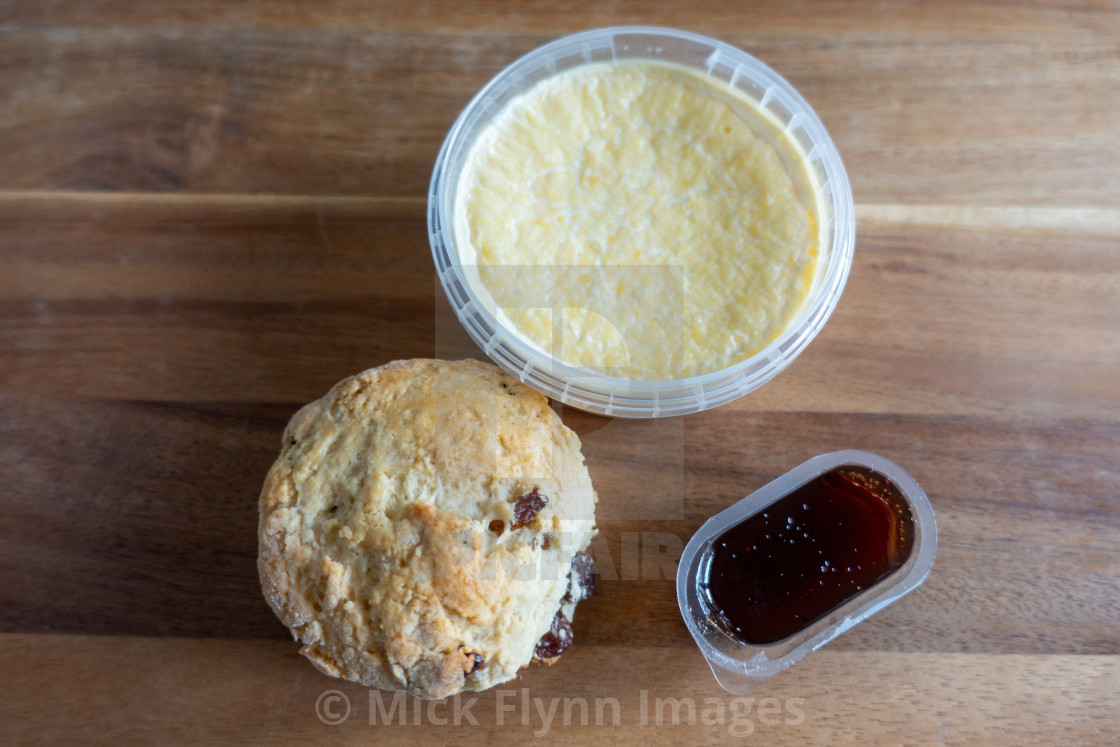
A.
pixel 425 528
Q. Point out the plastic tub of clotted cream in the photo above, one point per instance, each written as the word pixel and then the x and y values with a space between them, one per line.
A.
pixel 641 222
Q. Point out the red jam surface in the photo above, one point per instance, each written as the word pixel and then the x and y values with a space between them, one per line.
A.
pixel 807 553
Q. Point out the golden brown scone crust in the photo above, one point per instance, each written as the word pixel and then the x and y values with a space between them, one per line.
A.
pixel 386 526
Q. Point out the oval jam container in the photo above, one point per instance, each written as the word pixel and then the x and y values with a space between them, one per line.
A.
pixel 749 87
pixel 785 570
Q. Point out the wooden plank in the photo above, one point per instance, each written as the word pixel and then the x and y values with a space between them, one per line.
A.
pixel 132 517
pixel 219 248
pixel 135 293
pixel 972 320
pixel 273 299
pixel 106 504
pixel 108 690
pixel 976 22
pixel 1069 219
pixel 1029 118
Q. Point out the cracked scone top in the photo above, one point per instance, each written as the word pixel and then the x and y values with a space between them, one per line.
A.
pixel 425 528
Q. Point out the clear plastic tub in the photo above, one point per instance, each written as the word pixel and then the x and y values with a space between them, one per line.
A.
pixel 740 666
pixel 821 183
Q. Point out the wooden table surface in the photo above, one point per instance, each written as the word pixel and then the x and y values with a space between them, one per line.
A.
pixel 212 211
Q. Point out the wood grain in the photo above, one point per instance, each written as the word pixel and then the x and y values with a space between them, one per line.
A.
pixel 192 690
pixel 207 298
pixel 210 212
pixel 919 118
pixel 176 523
pixel 971 22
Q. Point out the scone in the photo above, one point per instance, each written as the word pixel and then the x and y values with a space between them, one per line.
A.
pixel 425 528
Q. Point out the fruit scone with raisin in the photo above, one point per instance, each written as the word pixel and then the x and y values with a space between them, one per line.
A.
pixel 426 528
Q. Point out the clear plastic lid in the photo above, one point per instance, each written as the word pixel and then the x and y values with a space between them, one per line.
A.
pixel 819 179
pixel 740 666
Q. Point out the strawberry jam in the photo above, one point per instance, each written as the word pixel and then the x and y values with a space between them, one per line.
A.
pixel 807 553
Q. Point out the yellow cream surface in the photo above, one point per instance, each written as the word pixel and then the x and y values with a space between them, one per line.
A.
pixel 624 218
